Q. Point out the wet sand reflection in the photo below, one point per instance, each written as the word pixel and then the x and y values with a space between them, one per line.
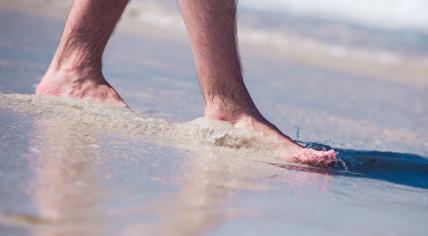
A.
pixel 66 189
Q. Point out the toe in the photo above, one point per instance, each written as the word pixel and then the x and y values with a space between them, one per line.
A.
pixel 315 158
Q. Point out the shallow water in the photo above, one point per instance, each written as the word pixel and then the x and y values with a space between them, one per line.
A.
pixel 72 168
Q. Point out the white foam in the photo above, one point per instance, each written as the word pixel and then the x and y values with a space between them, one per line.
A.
pixel 396 14
pixel 99 116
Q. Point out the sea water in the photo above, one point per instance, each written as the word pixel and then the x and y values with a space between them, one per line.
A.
pixel 72 167
pixel 392 14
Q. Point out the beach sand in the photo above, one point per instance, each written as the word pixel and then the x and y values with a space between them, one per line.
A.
pixel 74 168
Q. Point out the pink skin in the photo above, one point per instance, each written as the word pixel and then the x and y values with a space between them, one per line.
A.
pixel 314 157
pixel 75 70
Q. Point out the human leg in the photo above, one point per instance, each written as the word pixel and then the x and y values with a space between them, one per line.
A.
pixel 75 70
pixel 211 26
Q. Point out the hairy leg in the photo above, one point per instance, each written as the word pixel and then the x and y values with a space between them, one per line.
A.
pixel 75 70
pixel 211 26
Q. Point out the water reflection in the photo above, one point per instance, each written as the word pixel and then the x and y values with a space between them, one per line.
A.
pixel 64 189
pixel 207 187
pixel 67 194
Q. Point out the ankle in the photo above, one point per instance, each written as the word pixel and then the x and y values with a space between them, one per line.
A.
pixel 59 80
pixel 73 74
pixel 230 109
pixel 76 63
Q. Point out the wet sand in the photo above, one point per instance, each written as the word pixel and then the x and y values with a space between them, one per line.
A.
pixel 72 168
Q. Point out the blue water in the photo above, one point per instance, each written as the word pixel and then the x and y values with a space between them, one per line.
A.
pixel 345 33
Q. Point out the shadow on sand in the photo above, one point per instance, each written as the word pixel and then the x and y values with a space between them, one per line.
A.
pixel 399 168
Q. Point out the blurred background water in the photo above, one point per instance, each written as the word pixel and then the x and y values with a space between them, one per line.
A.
pixel 389 14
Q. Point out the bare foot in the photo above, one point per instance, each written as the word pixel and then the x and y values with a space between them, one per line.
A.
pixel 79 85
pixel 251 118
